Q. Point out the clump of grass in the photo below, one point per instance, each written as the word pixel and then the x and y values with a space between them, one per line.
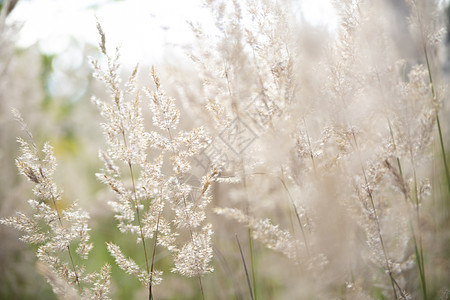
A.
pixel 140 207
pixel 54 229
pixel 319 147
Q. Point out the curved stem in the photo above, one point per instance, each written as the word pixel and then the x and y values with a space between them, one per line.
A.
pixel 377 223
pixel 153 255
pixel 138 216
pixel 136 205
pixel 68 247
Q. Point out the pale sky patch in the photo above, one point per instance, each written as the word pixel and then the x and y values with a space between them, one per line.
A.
pixel 142 28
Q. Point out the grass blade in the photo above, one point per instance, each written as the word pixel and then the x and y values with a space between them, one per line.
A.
pixel 245 268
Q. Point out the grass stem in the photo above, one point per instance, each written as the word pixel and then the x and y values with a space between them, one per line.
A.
pixel 245 268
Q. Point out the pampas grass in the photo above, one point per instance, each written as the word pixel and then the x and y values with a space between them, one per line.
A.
pixel 327 151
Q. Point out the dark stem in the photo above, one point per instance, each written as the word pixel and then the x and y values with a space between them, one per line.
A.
pixel 153 257
pixel 438 123
pixel 300 224
pixel 250 239
pixel 245 268
pixel 378 227
pixel 297 214
pixel 138 215
pixel 201 286
pixel 136 205
pixel 68 247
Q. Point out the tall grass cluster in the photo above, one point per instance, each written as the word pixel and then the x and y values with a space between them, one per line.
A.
pixel 288 163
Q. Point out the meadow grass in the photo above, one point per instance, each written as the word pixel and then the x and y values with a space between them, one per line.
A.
pixel 315 146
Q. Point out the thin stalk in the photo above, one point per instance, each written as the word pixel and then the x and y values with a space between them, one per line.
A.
pixel 227 270
pixel 291 223
pixel 201 286
pixel 192 239
pixel 199 276
pixel 74 269
pixel 438 123
pixel 417 246
pixel 419 258
pixel 378 227
pixel 297 214
pixel 394 283
pixel 250 242
pixel 136 204
pixel 138 215
pixel 300 224
pixel 245 268
pixel 190 228
pixel 418 249
pixel 447 176
pixel 68 247
pixel 153 255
